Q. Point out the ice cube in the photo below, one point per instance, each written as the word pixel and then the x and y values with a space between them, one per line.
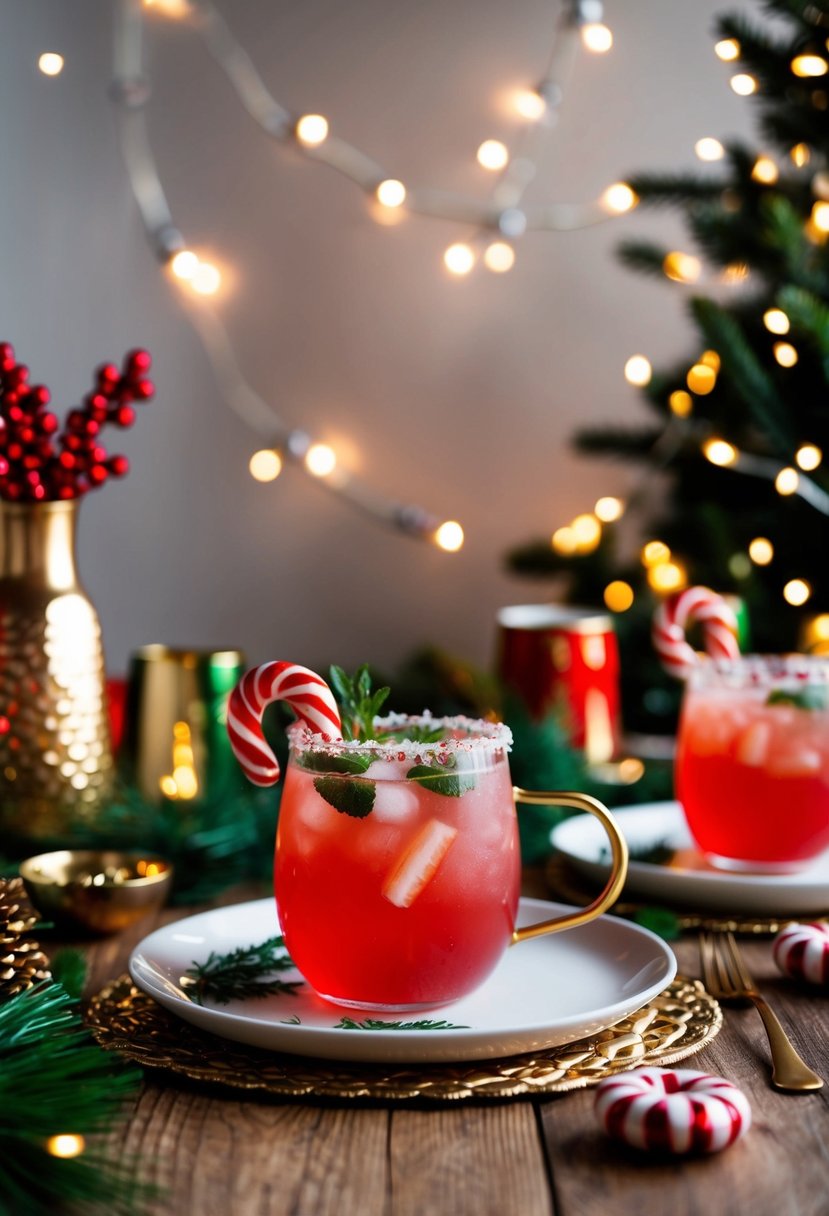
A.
pixel 388 770
pixel 394 802
pixel 753 744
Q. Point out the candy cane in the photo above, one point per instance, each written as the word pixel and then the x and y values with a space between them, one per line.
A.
pixel 677 612
pixel 308 696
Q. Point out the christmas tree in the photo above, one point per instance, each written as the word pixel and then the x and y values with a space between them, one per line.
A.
pixel 738 430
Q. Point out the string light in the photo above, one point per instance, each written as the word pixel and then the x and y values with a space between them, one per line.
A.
pixel 665 577
pixel 765 171
pixel 312 130
pixel 184 264
pixel 51 63
pixel 800 155
pixel 787 482
pixel 499 257
pixel 820 216
pixel 727 49
pixel 654 552
pixel 170 8
pixel 809 65
pixel 449 536
pixel 701 379
pixel 681 403
pixel 761 551
pixel 609 509
pixel 459 258
pixel 808 457
pixel 719 452
pixel 638 371
pixel 320 459
pixel 596 37
pixel 711 359
pixel 587 532
pixel 530 104
pixel 391 193
pixel 682 267
pixel 265 465
pixel 785 354
pixel 736 272
pixel 776 321
pixel 743 84
pixel 492 154
pixel 206 279
pixel 709 149
pixel 796 592
pixel 65 1145
pixel 618 596
pixel 619 198
pixel 564 541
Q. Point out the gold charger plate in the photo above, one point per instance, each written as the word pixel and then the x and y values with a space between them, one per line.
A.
pixel 675 1024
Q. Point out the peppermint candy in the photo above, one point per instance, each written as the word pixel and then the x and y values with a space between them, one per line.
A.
pixel 676 613
pixel 675 1111
pixel 802 951
pixel 308 696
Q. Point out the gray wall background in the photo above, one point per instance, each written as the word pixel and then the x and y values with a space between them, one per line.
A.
pixel 461 396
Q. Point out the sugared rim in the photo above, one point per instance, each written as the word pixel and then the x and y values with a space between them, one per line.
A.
pixel 760 670
pixel 474 734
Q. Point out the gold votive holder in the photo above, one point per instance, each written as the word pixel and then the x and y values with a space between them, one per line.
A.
pixel 102 891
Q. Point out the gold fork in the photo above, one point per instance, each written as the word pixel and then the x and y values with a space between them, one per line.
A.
pixel 727 978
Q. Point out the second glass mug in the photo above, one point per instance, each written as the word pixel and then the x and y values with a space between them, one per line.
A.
pixel 397 873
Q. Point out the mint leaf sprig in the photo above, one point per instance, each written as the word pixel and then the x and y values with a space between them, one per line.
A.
pixel 359 705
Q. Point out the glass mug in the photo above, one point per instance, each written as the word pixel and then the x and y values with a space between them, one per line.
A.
pixel 397 870
pixel 752 766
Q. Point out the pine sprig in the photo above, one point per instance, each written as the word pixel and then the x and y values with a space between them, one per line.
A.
pixel 241 974
pixel 55 1081
pixel 347 1023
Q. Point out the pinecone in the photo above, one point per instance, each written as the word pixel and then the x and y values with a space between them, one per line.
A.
pixel 22 963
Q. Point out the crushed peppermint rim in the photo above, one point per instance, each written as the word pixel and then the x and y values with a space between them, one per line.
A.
pixel 474 735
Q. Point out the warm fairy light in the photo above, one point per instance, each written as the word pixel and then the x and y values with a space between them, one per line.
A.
pixel 701 379
pixel 800 155
pixel 147 869
pixel 761 551
pixel 718 452
pixel 817 629
pixel 587 532
pixel 765 171
pixel 711 359
pixel 449 536
pixel 530 104
pixel 205 279
pixel 564 541
pixel 492 154
pixel 50 63
pixel 682 267
pixel 820 216
pixel 739 565
pixel 65 1145
pixel 681 403
pixel 787 481
pixel 709 148
pixel 735 272
pixel 785 354
pixel 618 596
pixel 727 49
pixel 320 459
pixel 809 65
pixel 391 193
pixel 743 84
pixel 596 37
pixel 183 783
pixel 638 371
pixel 667 576
pixel 459 258
pixel 796 592
pixel 808 457
pixel 619 197
pixel 776 321
pixel 312 130
pixel 170 8
pixel 265 465
pixel 609 509
pixel 654 552
pixel 499 257
pixel 185 264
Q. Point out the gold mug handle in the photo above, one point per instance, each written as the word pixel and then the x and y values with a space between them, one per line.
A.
pixel 618 873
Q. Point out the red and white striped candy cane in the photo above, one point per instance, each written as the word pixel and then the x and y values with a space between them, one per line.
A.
pixel 308 696
pixel 677 612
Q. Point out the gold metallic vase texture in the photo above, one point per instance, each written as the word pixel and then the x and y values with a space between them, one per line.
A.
pixel 56 764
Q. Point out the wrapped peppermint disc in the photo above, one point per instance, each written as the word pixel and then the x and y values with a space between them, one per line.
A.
pixel 802 951
pixel 676 1111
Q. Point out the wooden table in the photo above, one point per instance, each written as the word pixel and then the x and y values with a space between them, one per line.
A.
pixel 520 1157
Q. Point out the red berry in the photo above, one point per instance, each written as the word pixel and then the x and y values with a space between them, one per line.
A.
pixel 98 454
pixel 39 396
pixel 118 466
pixel 107 374
pixel 124 415
pixel 6 351
pixel 48 424
pixel 143 389
pixel 98 474
pixel 4 466
pixel 139 360
pixel 16 414
pixel 15 452
pixel 67 460
pixel 73 443
pixel 67 492
pixel 76 420
pixel 17 375
pixel 30 461
pixel 91 427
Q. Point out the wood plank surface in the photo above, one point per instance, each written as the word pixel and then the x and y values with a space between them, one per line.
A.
pixel 214 1155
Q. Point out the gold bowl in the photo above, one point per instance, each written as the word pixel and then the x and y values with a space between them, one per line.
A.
pixel 101 891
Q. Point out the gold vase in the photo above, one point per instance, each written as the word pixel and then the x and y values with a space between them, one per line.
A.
pixel 56 765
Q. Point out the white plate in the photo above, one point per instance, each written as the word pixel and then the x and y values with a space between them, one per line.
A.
pixel 544 992
pixel 686 879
